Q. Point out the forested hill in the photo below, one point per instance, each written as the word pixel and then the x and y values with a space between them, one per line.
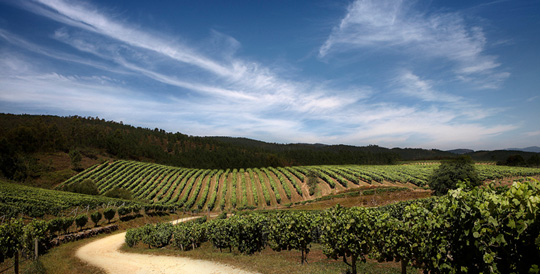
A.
pixel 22 136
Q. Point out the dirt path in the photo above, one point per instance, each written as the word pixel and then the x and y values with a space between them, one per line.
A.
pixel 104 253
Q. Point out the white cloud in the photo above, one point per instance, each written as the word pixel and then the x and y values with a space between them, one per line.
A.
pixel 532 133
pixel 234 96
pixel 232 78
pixel 395 24
pixel 412 85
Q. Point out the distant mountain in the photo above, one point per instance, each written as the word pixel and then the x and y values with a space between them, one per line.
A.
pixel 461 151
pixel 534 149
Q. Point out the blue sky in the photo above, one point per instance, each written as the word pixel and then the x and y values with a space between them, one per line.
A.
pixel 429 74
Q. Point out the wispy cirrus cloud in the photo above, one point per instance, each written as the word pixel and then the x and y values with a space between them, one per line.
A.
pixel 234 78
pixel 412 85
pixel 395 24
pixel 145 77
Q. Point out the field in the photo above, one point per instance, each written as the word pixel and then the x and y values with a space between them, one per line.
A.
pixel 288 189
pixel 261 188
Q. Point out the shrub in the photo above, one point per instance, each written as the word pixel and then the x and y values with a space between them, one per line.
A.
pixel 55 225
pixel 160 235
pixel 109 214
pixel 87 186
pixel 66 223
pixel 123 211
pixel 447 176
pixel 96 217
pixel 222 215
pixel 119 193
pixel 133 237
pixel 81 220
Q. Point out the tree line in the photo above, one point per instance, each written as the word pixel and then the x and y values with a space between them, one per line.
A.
pixel 21 136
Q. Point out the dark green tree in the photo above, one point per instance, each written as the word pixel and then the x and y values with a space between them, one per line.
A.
pixel 96 217
pixel 109 214
pixel 76 158
pixel 81 220
pixel 87 186
pixel 119 193
pixel 449 173
pixel 534 161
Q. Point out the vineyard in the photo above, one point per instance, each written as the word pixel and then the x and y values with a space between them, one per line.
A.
pixel 214 189
pixel 34 202
pixel 485 230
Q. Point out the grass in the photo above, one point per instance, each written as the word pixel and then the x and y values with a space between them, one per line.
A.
pixel 269 261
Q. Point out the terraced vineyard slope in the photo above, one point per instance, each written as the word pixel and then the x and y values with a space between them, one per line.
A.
pixel 215 189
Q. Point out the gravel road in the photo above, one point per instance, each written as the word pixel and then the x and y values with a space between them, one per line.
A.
pixel 104 253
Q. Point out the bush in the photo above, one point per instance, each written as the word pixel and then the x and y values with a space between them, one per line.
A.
pixel 133 237
pixel 312 182
pixel 447 176
pixel 109 214
pixel 66 223
pixel 55 225
pixel 160 235
pixel 81 220
pixel 87 186
pixel 96 217
pixel 222 215
pixel 123 211
pixel 119 193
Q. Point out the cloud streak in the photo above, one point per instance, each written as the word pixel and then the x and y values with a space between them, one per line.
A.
pixel 152 79
pixel 397 25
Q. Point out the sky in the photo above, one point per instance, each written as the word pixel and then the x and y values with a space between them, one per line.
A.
pixel 423 74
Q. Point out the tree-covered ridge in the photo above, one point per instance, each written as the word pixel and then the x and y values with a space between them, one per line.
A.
pixel 22 134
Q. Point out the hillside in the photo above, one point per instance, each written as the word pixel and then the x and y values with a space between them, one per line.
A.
pixel 218 189
pixel 46 150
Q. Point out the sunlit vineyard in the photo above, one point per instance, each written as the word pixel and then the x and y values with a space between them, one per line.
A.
pixel 35 202
pixel 214 190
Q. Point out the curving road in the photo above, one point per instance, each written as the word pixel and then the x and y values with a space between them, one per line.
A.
pixel 104 253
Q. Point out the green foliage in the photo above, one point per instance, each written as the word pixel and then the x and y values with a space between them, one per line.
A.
pixel 449 173
pixel 312 182
pixel 346 232
pixel 133 236
pixel 81 220
pixel 87 186
pixel 222 215
pixel 18 199
pixel 109 214
pixel 36 229
pixel 55 225
pixel 484 230
pixel 75 157
pixel 118 193
pixel 189 235
pixel 67 222
pixel 123 211
pixel 160 235
pixel 10 234
pixel 519 160
pixel 220 233
pixel 293 230
pixel 96 217
pixel 250 233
